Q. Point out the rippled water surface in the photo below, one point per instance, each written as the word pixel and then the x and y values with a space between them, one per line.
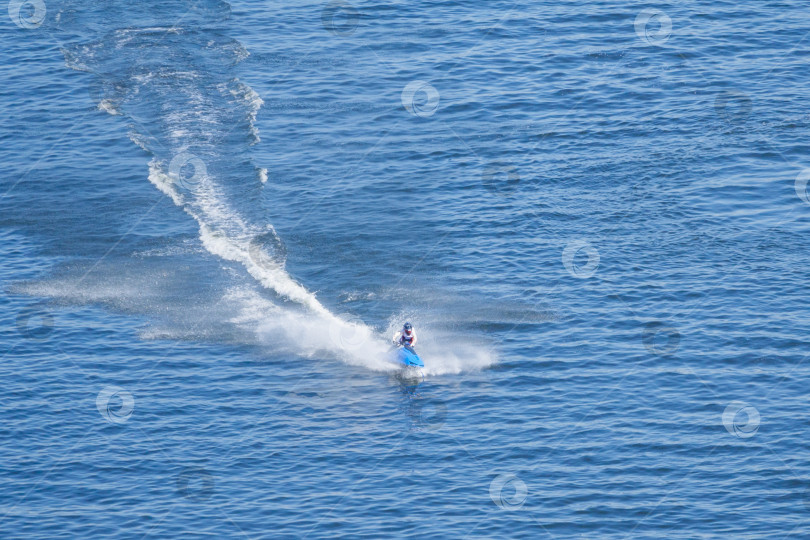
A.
pixel 214 215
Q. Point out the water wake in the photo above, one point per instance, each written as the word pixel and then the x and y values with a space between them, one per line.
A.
pixel 178 88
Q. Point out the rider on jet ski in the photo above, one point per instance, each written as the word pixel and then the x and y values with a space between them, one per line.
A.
pixel 405 337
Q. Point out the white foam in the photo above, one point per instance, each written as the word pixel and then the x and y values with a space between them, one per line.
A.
pixel 442 352
pixel 312 330
pixel 108 106
pixel 138 140
pixel 302 333
pixel 272 277
pixel 455 356
pixel 224 234
pixel 164 183
pixel 250 99
pixel 302 325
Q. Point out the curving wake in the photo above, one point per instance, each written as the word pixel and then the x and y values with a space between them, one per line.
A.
pixel 187 108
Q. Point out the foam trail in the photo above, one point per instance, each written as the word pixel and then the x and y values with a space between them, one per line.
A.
pixel 178 87
pixel 304 334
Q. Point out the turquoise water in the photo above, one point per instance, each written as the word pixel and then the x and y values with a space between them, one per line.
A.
pixel 213 216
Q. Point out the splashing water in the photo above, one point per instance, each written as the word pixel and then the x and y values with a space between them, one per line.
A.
pixel 178 87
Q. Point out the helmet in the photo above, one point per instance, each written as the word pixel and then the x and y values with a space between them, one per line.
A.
pixel 407 327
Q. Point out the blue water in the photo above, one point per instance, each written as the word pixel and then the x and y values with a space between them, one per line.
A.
pixel 213 216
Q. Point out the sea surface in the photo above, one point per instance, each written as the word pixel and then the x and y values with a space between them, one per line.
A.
pixel 214 215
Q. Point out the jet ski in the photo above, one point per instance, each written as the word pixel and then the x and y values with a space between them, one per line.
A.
pixel 407 357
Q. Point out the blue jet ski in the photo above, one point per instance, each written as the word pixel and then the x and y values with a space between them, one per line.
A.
pixel 408 357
